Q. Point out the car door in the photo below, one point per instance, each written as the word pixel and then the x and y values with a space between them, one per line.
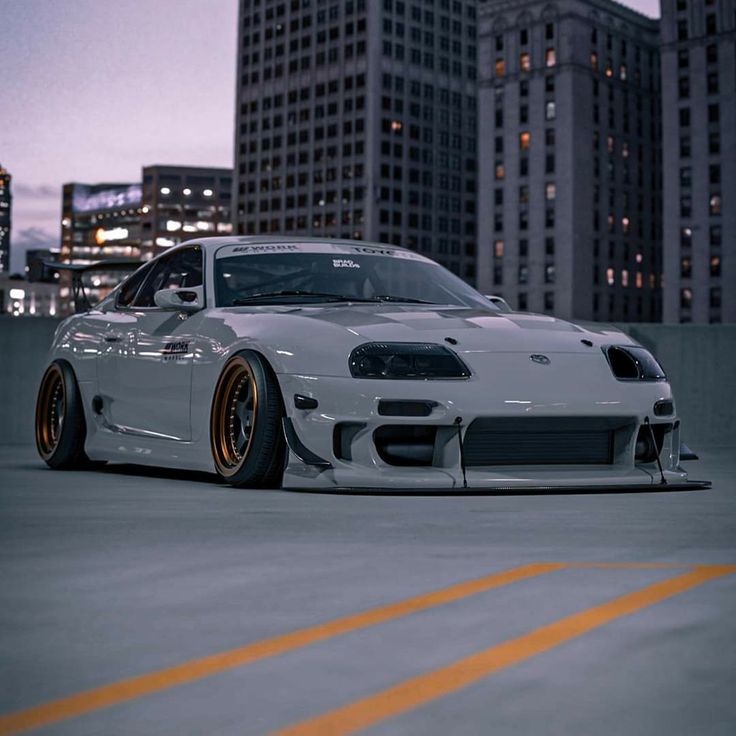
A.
pixel 153 365
pixel 117 340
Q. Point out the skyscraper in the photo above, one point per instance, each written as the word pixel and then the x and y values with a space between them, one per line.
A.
pixel 699 143
pixel 569 151
pixel 358 119
pixel 6 201
pixel 183 202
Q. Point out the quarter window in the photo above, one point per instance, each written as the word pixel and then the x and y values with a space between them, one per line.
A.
pixel 130 287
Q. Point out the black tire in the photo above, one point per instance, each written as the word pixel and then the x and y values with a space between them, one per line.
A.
pixel 60 426
pixel 246 435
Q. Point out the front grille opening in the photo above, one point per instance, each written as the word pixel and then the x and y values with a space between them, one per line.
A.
pixel 647 450
pixel 622 363
pixel 407 408
pixel 545 440
pixel 405 445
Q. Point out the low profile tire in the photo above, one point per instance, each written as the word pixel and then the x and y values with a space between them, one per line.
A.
pixel 60 425
pixel 245 427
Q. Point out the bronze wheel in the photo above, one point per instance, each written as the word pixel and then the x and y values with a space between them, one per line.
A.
pixel 60 426
pixel 50 411
pixel 233 416
pixel 245 426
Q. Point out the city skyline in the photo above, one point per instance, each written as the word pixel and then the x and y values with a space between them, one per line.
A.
pixel 76 82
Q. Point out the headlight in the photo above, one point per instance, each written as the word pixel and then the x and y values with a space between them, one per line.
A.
pixel 405 360
pixel 631 363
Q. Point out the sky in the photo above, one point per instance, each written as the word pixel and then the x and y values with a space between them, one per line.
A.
pixel 92 90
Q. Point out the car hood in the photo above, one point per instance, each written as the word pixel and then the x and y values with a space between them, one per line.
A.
pixel 466 330
pixel 475 330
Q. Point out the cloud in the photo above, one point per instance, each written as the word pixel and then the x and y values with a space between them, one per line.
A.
pixel 34 237
pixel 37 191
pixel 29 238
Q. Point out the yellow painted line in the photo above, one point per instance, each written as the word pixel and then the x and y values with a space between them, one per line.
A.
pixel 196 669
pixel 424 688
pixel 629 565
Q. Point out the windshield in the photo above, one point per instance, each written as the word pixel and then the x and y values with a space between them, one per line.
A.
pixel 339 274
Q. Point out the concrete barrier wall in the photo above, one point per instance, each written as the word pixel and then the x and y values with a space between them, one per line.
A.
pixel 700 360
pixel 24 344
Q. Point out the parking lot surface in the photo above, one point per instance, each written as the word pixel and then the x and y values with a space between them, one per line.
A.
pixel 136 601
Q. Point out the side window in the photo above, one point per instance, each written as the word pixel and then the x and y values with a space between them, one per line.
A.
pixel 180 269
pixel 130 287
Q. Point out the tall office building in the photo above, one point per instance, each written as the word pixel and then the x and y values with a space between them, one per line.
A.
pixel 6 201
pixel 358 119
pixel 98 222
pixel 699 141
pixel 183 202
pixel 569 149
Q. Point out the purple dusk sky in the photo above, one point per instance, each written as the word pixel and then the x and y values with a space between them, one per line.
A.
pixel 94 89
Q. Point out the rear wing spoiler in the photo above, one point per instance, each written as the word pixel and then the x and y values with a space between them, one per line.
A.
pixel 78 270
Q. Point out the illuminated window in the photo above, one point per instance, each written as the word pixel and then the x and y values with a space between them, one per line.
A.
pixel 610 143
pixel 715 204
pixel 594 60
pixel 165 190
pixel 500 67
pixel 524 140
pixel 498 249
pixel 622 72
pixel 186 191
pixel 550 58
pixel 610 276
pixel 624 277
pixel 208 192
pixel 715 266
pixel 609 68
pixel 550 191
pixel 550 111
pixel 500 172
pixel 625 149
pixel 524 62
pixel 625 222
pixel 639 280
pixel 686 298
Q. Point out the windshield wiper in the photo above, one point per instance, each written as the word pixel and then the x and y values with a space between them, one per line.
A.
pixel 324 296
pixel 392 298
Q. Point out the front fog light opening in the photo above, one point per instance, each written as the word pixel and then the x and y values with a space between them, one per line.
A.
pixel 405 445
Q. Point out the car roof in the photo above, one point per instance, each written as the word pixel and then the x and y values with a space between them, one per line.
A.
pixel 213 243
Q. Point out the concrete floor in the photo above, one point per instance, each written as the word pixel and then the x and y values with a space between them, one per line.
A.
pixel 108 575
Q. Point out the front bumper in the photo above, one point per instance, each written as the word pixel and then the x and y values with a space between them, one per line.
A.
pixel 354 403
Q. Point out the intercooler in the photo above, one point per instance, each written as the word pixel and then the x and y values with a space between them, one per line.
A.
pixel 545 440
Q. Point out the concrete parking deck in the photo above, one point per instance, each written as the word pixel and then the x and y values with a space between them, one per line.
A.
pixel 147 602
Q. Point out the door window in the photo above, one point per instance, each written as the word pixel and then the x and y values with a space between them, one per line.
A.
pixel 180 269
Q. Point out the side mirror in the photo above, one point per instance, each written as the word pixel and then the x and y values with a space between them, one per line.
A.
pixel 499 302
pixel 183 300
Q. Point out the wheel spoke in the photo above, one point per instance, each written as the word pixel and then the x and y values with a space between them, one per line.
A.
pixel 235 416
pixel 51 410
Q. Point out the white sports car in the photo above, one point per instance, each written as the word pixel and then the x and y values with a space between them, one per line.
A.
pixel 342 365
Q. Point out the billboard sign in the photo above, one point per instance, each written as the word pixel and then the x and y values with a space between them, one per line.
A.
pixel 91 199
